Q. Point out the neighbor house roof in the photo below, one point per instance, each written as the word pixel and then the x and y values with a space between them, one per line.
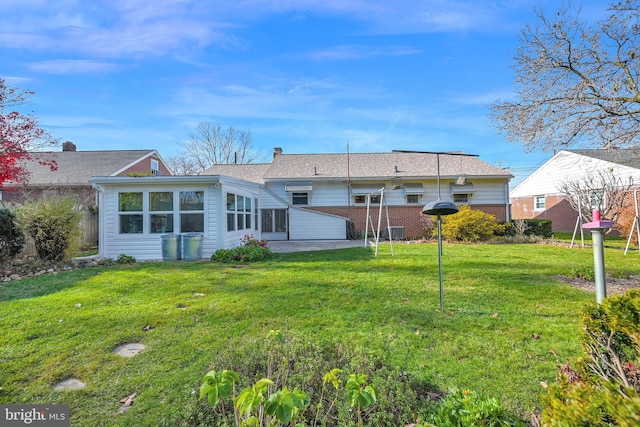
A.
pixel 626 157
pixel 77 167
pixel 368 166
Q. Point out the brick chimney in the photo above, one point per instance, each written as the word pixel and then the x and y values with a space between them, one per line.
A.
pixel 68 146
pixel 276 151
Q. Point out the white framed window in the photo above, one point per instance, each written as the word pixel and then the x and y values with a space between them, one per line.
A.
pixel 361 199
pixel 161 212
pixel 274 220
pixel 153 212
pixel 239 212
pixel 414 199
pixel 131 212
pixel 461 198
pixel 598 199
pixel 191 211
pixel 539 203
pixel 155 167
pixel 299 198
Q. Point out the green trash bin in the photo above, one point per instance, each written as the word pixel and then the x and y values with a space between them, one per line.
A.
pixel 171 247
pixel 192 246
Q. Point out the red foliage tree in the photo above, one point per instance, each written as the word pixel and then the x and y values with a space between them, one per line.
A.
pixel 20 137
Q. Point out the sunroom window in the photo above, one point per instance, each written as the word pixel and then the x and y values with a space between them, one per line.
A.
pixel 239 212
pixel 130 213
pixel 191 211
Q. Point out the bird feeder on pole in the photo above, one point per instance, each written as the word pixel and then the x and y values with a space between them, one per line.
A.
pixel 598 227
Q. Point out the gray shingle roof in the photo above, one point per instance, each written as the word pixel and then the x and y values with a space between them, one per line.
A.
pixel 626 157
pixel 361 166
pixel 253 172
pixel 77 167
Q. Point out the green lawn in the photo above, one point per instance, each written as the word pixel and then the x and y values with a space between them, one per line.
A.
pixel 496 297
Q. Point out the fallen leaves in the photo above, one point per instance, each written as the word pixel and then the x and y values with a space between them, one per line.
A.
pixel 127 402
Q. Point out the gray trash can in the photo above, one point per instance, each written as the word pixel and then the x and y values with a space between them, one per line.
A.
pixel 171 247
pixel 192 246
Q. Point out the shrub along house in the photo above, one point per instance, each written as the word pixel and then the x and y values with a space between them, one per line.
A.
pixel 295 197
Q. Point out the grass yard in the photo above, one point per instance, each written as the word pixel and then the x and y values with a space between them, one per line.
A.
pixel 506 327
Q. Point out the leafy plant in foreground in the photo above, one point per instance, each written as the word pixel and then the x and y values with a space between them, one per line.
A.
pixel 465 408
pixel 604 388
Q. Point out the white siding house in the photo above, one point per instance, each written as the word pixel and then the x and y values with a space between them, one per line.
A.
pixel 341 184
pixel 135 212
pixel 296 197
pixel 538 196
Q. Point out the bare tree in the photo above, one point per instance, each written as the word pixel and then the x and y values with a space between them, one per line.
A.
pixel 603 190
pixel 182 165
pixel 212 145
pixel 576 82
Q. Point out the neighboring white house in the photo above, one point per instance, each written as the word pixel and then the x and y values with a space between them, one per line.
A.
pixel 295 197
pixel 538 196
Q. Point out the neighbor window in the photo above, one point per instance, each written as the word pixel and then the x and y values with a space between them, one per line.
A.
pixel 461 198
pixel 539 203
pixel 413 199
pixel 130 213
pixel 238 212
pixel 300 198
pixel 360 199
pixel 597 199
pixel 155 167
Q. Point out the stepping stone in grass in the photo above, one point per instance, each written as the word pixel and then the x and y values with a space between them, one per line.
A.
pixel 129 350
pixel 70 384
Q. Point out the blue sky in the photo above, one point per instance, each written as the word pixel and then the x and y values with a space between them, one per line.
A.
pixel 305 75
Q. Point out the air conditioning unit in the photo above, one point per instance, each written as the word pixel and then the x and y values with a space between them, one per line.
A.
pixel 156 172
pixel 395 233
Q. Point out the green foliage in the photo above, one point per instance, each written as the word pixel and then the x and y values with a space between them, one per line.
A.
pixel 54 225
pixel 296 392
pixel 11 236
pixel 604 389
pixel 218 385
pixel 538 227
pixel 363 314
pixel 465 408
pixel 125 259
pixel 286 405
pixel 583 273
pixel 469 225
pixel 250 250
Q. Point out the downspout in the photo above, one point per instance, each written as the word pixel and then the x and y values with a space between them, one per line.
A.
pixel 101 226
pixel 507 202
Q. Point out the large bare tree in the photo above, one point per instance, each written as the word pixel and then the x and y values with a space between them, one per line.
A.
pixel 576 82
pixel 212 145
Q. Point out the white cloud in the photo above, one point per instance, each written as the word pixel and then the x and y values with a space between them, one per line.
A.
pixel 340 53
pixel 73 66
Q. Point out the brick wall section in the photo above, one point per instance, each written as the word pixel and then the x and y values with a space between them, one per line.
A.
pixel 409 217
pixel 558 209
